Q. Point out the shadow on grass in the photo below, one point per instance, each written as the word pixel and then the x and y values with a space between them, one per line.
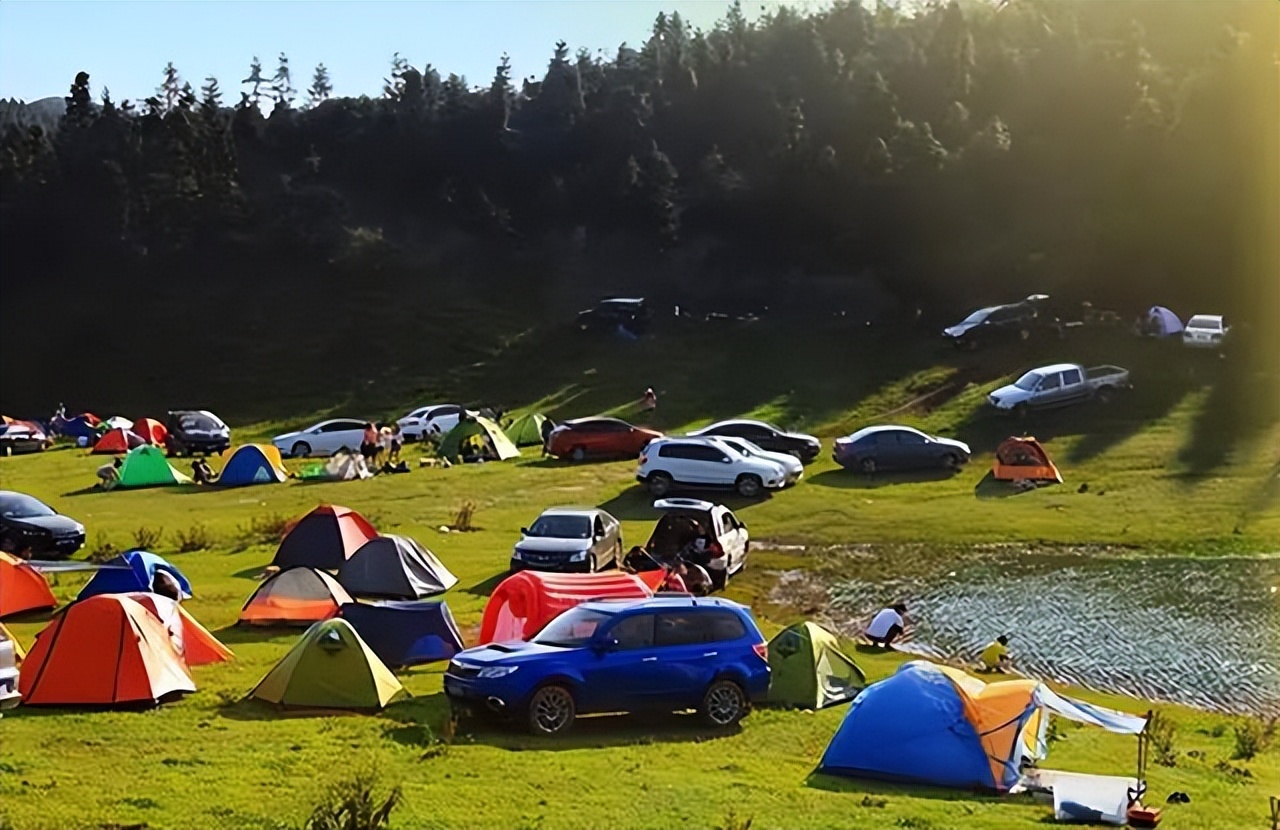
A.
pixel 485 587
pixel 636 505
pixel 849 480
pixel 862 786
pixel 84 491
pixel 1241 403
pixel 238 634
pixel 424 721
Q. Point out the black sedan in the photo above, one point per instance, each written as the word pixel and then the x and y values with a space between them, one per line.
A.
pixel 194 431
pixel 1012 321
pixel 766 437
pixel 873 449
pixel 30 528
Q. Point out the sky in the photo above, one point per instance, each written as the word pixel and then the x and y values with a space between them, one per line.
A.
pixel 125 45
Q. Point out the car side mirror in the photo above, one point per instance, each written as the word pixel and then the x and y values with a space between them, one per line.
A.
pixel 524 531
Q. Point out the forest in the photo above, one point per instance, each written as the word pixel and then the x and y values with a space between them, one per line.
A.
pixel 952 153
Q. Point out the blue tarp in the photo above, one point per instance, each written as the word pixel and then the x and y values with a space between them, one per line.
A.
pixel 405 633
pixel 79 427
pixel 910 727
pixel 132 571
pixel 249 465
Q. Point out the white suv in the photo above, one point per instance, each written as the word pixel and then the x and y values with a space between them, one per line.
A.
pixel 438 419
pixel 706 462
pixel 1205 331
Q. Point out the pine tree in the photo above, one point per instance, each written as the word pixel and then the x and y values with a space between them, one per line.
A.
pixel 79 111
pixel 391 86
pixel 282 83
pixel 170 89
pixel 255 78
pixel 210 97
pixel 321 87
pixel 501 92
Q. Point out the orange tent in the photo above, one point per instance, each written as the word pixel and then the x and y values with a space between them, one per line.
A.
pixel 151 431
pixel 22 587
pixel 1023 459
pixel 324 538
pixel 106 649
pixel 297 596
pixel 188 637
pixel 526 601
pixel 118 440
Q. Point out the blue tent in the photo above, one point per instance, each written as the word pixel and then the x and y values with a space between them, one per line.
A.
pixel 79 427
pixel 405 633
pixel 132 571
pixel 251 464
pixel 932 724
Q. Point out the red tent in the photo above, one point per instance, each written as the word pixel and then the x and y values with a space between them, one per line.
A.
pixel 22 587
pixel 118 441
pixel 324 538
pixel 526 601
pixel 152 431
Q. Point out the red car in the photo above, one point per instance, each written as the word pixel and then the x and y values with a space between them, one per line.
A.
pixel 598 437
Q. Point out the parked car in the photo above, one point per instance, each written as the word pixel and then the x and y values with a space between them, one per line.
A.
pixel 194 431
pixel 324 438
pixel 668 463
pixel 22 436
pixel 664 653
pixel 30 528
pixel 766 437
pixel 1011 321
pixel 630 312
pixel 440 418
pixel 1205 331
pixel 793 466
pixel 569 539
pixel 892 447
pixel 684 520
pixel 9 695
pixel 601 437
pixel 1061 384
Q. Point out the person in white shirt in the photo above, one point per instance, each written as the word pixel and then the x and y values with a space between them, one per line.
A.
pixel 887 625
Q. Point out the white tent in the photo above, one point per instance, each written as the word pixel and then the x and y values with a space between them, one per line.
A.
pixel 1162 322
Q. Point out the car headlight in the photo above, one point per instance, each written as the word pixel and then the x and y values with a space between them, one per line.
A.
pixel 580 556
pixel 493 672
pixel 517 554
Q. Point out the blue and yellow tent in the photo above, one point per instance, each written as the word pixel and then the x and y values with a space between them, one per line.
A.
pixel 252 464
pixel 931 724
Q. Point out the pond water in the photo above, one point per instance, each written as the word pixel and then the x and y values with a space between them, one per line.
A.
pixel 1204 632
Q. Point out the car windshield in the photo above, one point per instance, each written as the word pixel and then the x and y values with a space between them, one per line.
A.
pixel 573 628
pixel 195 420
pixel 1202 323
pixel 1027 383
pixel 23 507
pixel 562 527
pixel 977 316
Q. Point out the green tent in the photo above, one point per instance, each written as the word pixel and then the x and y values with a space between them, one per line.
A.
pixel 809 670
pixel 526 431
pixel 146 466
pixel 490 433
pixel 330 668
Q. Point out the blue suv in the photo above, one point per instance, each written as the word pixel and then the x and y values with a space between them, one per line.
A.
pixel 664 653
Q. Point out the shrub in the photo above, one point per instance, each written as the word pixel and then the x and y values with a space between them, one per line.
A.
pixel 102 551
pixel 146 538
pixel 262 530
pixel 1250 739
pixel 731 821
pixel 462 521
pixel 196 537
pixel 354 804
pixel 1160 737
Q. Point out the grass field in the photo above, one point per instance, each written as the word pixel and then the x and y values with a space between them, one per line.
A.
pixel 1186 464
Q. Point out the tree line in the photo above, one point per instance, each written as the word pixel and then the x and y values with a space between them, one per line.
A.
pixel 955 152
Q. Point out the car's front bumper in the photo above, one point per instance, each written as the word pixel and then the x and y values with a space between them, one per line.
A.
pixel 557 566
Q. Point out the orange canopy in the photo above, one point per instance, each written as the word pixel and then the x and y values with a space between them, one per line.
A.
pixel 297 596
pixel 1024 459
pixel 526 601
pixel 188 637
pixel 151 431
pixel 106 649
pixel 22 587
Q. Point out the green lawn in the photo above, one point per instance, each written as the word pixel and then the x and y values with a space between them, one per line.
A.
pixel 1185 464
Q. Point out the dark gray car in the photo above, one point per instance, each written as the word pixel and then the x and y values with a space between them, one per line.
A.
pixel 575 539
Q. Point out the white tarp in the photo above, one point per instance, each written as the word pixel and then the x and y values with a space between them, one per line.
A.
pixel 1093 799
pixel 1078 710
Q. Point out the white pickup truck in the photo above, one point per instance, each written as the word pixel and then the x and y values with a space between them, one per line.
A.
pixel 1061 384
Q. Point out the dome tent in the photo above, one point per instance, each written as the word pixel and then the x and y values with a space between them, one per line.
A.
pixel 394 567
pixel 252 464
pixel 133 570
pixel 529 430
pixel 324 538
pixel 405 633
pixel 330 668
pixel 22 587
pixel 809 670
pixel 526 601
pixel 295 596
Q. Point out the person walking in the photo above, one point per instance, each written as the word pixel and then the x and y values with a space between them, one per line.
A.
pixel 369 443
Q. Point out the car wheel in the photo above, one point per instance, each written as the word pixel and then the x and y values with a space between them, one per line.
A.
pixel 749 486
pixel 1024 334
pixel 1020 411
pixel 1104 395
pixel 551 711
pixel 659 484
pixel 592 565
pixel 867 465
pixel 300 450
pixel 8 545
pixel 724 704
pixel 951 461
pixel 8 450
pixel 578 454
